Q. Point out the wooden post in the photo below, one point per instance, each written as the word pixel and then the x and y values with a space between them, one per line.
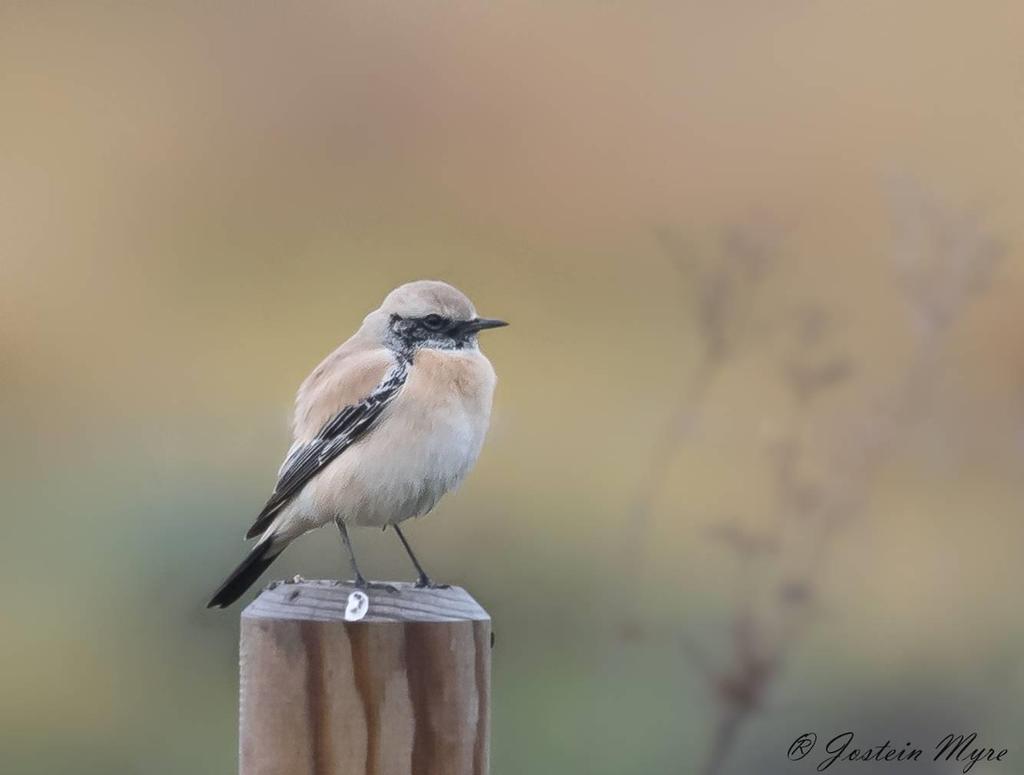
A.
pixel 405 690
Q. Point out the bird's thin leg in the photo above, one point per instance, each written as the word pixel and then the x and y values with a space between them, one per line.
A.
pixel 360 581
pixel 424 580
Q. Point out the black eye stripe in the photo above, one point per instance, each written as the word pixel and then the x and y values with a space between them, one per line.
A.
pixel 407 334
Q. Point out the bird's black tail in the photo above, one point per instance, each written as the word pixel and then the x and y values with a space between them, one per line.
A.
pixel 245 575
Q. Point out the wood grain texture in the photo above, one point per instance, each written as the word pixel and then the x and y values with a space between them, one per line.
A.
pixel 404 691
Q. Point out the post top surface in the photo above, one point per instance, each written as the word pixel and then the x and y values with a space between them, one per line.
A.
pixel 324 600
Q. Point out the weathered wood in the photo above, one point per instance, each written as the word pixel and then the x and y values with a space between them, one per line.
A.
pixel 403 691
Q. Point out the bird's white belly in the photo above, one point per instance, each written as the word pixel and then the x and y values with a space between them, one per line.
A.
pixel 399 470
pixel 406 478
pixel 422 446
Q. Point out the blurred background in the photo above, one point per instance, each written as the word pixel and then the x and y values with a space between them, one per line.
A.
pixel 756 460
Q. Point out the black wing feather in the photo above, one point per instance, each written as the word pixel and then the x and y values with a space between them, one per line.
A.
pixel 338 434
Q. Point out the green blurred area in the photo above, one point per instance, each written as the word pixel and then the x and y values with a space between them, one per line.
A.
pixel 198 203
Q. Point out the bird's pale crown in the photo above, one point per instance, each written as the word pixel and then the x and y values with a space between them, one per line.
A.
pixel 426 297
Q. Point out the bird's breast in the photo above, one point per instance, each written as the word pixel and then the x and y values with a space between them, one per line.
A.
pixel 443 411
pixel 424 444
pixel 459 380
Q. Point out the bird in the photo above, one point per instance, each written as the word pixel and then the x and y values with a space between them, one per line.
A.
pixel 383 427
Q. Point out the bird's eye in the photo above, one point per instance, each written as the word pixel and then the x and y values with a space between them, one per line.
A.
pixel 433 322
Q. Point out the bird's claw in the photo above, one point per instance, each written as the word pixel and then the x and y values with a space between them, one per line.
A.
pixel 424 582
pixel 364 585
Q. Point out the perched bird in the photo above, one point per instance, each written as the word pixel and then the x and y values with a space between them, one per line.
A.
pixel 384 426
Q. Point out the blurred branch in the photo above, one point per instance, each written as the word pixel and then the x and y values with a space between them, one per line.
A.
pixel 941 259
pixel 722 288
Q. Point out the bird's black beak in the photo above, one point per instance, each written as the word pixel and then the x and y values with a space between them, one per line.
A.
pixel 479 324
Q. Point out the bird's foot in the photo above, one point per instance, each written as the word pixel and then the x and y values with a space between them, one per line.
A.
pixel 362 584
pixel 424 582
pixel 358 582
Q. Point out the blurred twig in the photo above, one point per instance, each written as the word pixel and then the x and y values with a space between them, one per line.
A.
pixel 942 257
pixel 722 287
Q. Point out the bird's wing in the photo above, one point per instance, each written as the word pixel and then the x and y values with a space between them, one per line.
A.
pixel 306 460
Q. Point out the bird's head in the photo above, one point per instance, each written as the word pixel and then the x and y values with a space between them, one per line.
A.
pixel 433 314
